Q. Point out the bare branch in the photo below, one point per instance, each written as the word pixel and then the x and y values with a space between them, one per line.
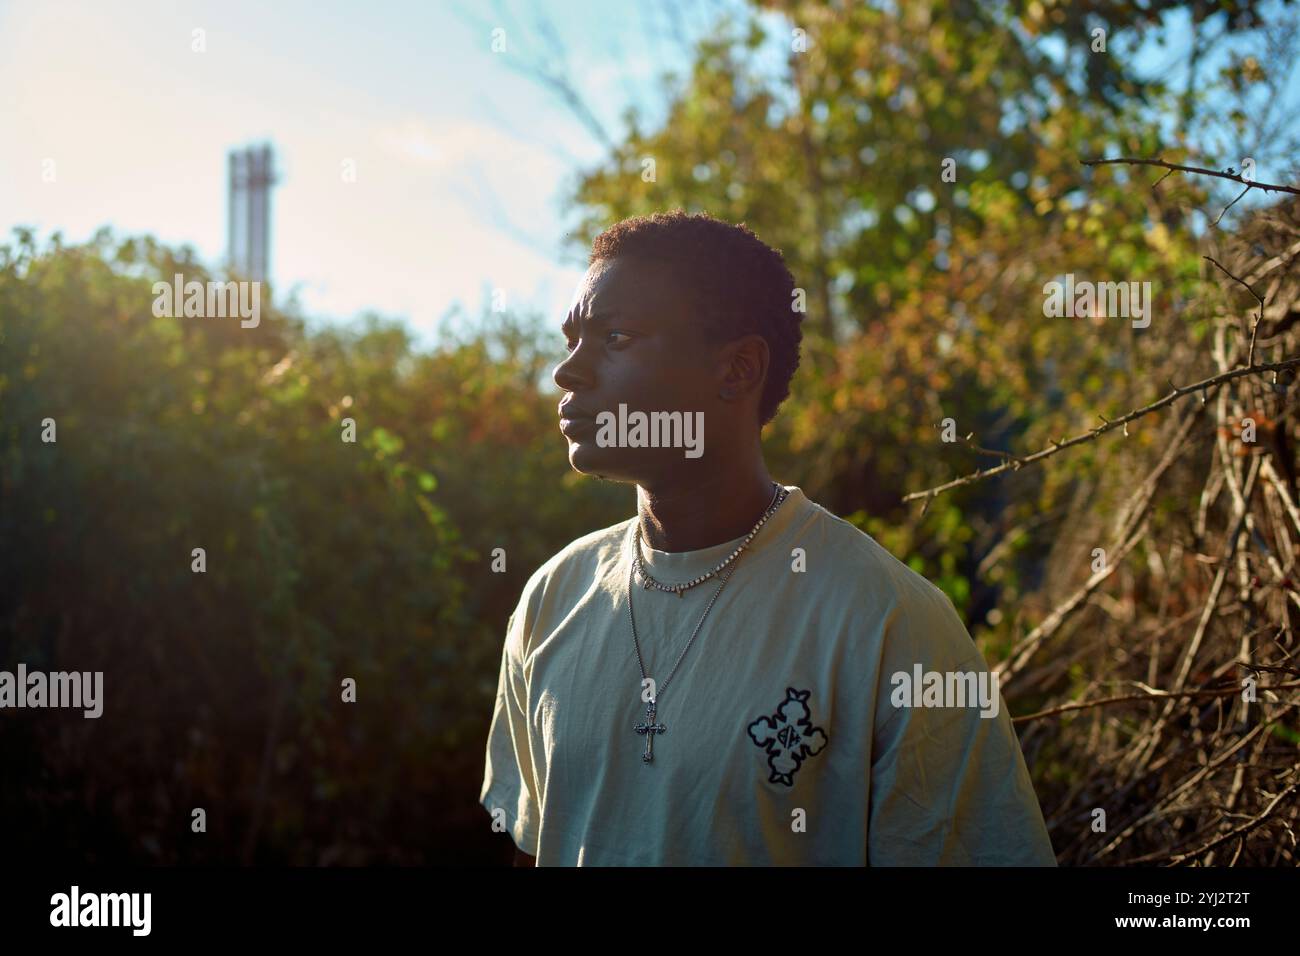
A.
pixel 1171 794
pixel 1241 830
pixel 1267 187
pixel 1129 533
pixel 1227 207
pixel 1254 330
pixel 1059 446
pixel 1151 694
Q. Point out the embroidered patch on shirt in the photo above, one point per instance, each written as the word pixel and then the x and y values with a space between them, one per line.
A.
pixel 788 736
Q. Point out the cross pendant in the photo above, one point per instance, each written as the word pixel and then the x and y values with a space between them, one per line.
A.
pixel 648 729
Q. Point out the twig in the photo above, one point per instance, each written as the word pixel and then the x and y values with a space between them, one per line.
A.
pixel 1265 268
pixel 1241 830
pixel 1267 187
pixel 1151 695
pixel 1270 475
pixel 1167 796
pixel 1229 206
pixel 1004 455
pixel 1209 609
pixel 1250 356
pixel 1101 429
pixel 1129 533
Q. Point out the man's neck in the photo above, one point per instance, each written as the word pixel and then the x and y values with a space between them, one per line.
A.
pixel 694 513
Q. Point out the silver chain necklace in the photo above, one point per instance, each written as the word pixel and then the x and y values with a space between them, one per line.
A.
pixel 649 728
pixel 648 581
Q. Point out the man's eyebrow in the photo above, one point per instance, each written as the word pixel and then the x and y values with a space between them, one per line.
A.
pixel 598 318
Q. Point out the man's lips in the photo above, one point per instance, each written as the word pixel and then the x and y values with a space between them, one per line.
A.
pixel 574 420
pixel 571 425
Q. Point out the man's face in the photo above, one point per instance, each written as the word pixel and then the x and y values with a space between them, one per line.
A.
pixel 632 339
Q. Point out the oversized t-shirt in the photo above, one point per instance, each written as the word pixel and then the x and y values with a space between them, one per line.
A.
pixel 789 738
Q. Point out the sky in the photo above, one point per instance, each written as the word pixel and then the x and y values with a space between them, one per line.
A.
pixel 462 161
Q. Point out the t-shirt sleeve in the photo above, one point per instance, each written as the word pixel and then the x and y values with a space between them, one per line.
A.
pixel 949 785
pixel 508 777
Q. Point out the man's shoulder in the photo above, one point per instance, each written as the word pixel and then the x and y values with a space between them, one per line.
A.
pixel 851 557
pixel 592 548
pixel 886 598
pixel 579 560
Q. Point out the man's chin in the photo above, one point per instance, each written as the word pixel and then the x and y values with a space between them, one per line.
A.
pixel 588 458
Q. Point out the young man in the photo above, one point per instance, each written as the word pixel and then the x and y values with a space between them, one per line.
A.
pixel 734 676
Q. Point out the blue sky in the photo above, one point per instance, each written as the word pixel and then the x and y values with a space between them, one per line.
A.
pixel 462 161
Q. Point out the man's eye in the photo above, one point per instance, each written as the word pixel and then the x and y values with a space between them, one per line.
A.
pixel 570 345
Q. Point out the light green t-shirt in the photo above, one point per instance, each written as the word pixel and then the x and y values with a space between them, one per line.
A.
pixel 786 741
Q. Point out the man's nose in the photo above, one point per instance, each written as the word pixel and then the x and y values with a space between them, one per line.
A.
pixel 573 372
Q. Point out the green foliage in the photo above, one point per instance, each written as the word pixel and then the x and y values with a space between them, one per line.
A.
pixel 926 296
pixel 325 559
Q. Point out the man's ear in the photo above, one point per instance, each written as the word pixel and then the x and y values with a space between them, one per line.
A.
pixel 744 367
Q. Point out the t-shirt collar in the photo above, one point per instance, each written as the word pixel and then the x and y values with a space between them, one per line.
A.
pixel 673 566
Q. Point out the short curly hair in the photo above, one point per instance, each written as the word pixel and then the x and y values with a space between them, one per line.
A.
pixel 742 284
